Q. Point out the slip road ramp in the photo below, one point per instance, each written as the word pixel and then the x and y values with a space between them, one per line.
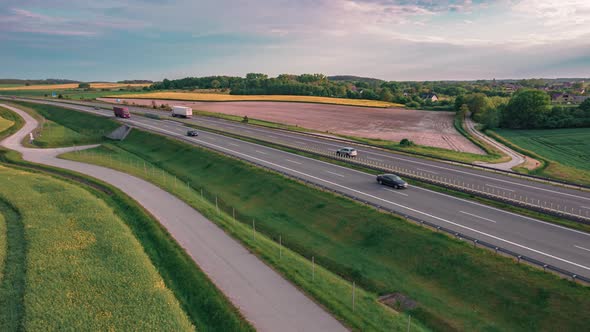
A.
pixel 120 133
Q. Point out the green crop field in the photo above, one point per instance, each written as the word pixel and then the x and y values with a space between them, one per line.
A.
pixel 570 147
pixel 71 270
pixel 5 124
pixel 566 150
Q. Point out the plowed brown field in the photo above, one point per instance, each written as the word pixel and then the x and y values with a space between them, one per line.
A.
pixel 423 127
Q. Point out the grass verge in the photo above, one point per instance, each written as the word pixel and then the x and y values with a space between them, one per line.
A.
pixel 82 270
pixel 12 268
pixel 60 127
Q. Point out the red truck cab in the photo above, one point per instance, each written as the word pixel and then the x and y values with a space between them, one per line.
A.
pixel 121 112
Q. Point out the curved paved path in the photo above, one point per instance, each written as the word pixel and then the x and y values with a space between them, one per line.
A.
pixel 515 157
pixel 267 300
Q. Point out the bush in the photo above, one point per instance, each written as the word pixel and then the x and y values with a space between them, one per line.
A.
pixel 406 143
pixel 245 119
pixel 412 104
pixel 84 85
pixel 60 96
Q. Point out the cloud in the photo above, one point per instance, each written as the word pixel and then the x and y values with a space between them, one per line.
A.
pixel 29 21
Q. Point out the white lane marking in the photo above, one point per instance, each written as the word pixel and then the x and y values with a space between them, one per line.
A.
pixel 380 199
pixel 431 191
pixel 399 157
pixel 340 175
pixel 582 248
pixel 293 161
pixel 261 152
pixel 417 211
pixel 395 191
pixel 425 170
pixel 507 212
pixel 211 138
pixel 474 215
pixel 489 185
pixel 374 159
pixel 302 143
pixel 233 144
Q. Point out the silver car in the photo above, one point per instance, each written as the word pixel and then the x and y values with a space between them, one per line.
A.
pixel 346 152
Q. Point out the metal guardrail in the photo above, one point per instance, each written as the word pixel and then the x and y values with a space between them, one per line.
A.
pixel 458 235
pixel 577 215
pixel 450 161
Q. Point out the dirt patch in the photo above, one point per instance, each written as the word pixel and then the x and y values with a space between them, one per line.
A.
pixel 530 163
pixel 398 301
pixel 393 124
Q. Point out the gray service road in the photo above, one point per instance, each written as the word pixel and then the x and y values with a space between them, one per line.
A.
pixel 556 197
pixel 559 246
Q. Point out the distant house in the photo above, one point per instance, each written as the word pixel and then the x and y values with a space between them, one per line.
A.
pixel 431 96
pixel 566 98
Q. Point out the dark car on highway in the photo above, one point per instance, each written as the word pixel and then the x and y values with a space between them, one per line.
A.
pixel 192 133
pixel 391 180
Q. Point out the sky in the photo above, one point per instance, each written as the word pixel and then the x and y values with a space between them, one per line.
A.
pixel 112 40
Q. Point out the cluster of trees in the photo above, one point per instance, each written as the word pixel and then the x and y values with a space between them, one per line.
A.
pixel 526 109
pixel 411 93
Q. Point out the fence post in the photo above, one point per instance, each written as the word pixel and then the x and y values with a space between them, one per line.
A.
pixel 353 288
pixel 312 268
pixel 216 205
pixel 409 322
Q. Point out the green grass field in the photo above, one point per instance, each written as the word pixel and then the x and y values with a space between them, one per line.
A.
pixel 456 286
pixel 570 147
pixel 82 271
pixel 566 150
pixel 74 128
pixel 5 124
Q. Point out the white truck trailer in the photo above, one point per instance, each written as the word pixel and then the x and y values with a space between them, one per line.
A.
pixel 182 111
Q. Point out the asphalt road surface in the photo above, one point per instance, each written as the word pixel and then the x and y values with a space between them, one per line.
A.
pixel 267 300
pixel 556 245
pixel 556 197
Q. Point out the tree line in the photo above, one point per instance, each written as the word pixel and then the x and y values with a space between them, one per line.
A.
pixel 526 109
pixel 412 94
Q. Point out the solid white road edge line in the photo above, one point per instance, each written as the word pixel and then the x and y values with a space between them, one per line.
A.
pixel 384 200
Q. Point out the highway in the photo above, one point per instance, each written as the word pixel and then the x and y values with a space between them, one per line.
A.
pixel 559 246
pixel 570 200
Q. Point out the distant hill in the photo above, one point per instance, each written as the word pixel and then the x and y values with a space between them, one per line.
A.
pixel 36 82
pixel 352 78
pixel 136 82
